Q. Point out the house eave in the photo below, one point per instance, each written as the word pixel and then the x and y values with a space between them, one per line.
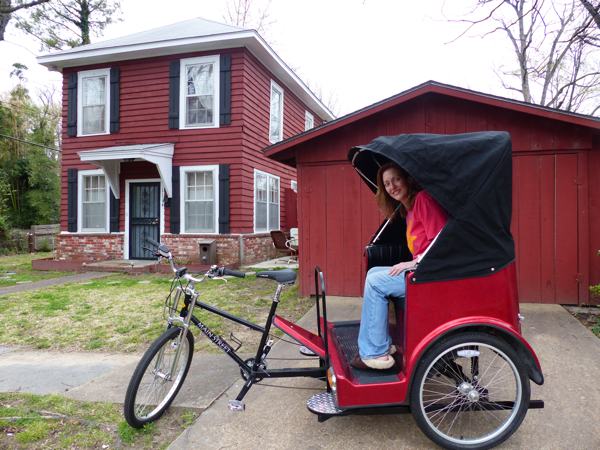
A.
pixel 249 39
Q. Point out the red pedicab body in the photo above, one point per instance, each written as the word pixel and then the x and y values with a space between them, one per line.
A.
pixel 457 331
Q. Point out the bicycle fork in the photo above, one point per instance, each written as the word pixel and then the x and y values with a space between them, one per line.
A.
pixel 184 324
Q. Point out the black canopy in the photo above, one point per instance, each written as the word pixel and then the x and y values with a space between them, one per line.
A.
pixel 470 175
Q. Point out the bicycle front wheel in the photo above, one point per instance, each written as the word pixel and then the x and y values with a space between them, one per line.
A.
pixel 157 378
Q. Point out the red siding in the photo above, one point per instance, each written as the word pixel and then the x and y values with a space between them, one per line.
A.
pixel 144 92
pixel 337 212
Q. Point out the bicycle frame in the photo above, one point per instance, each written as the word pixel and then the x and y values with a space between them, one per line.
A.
pixel 255 372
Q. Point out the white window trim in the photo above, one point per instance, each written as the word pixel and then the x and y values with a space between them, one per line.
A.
pixel 275 86
pixel 161 230
pixel 256 172
pixel 308 117
pixel 86 74
pixel 214 59
pixel 80 175
pixel 183 170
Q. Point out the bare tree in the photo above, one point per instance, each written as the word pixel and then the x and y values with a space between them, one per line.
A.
pixel 594 11
pixel 557 61
pixel 248 14
pixel 8 7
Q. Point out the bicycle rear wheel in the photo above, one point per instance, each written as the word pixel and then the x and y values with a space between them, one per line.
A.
pixel 155 382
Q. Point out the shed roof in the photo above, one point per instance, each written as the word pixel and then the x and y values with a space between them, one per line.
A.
pixel 191 35
pixel 282 151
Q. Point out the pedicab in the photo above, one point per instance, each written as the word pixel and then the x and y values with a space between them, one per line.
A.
pixel 463 368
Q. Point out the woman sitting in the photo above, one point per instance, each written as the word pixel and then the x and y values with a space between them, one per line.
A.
pixel 424 220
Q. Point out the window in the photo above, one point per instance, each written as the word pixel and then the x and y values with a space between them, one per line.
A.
pixel 266 202
pixel 93 102
pixel 200 199
pixel 93 202
pixel 309 121
pixel 276 116
pixel 199 90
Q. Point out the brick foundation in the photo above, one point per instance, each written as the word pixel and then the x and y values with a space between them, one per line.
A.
pixel 100 247
pixel 254 247
pixel 89 247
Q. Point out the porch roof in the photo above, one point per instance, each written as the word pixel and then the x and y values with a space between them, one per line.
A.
pixel 109 159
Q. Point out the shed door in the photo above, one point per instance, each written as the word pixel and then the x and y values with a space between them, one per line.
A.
pixel 144 218
pixel 545 227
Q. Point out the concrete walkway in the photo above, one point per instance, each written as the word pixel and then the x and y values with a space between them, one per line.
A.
pixel 53 281
pixel 278 418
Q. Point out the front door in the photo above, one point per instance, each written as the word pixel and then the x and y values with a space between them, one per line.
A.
pixel 144 218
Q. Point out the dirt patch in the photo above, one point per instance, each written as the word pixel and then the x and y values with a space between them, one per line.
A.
pixel 589 316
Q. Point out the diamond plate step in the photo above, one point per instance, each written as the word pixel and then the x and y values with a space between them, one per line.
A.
pixel 323 403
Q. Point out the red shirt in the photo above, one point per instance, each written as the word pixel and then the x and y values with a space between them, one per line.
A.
pixel 423 222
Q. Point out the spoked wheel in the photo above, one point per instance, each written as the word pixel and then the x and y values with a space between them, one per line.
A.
pixel 470 391
pixel 156 379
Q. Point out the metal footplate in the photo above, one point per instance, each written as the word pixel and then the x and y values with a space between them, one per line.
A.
pixel 323 405
pixel 306 351
pixel 236 405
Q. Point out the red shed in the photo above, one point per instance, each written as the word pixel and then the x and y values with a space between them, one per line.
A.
pixel 556 187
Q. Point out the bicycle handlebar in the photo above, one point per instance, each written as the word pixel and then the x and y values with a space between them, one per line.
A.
pixel 233 273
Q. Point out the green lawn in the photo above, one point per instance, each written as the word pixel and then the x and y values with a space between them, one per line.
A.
pixel 16 269
pixel 124 313
pixel 53 422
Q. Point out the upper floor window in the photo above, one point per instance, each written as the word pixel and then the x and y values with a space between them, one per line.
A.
pixel 199 101
pixel 309 121
pixel 94 102
pixel 93 201
pixel 276 116
pixel 266 201
pixel 200 199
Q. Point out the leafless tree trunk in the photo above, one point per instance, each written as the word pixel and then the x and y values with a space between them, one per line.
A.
pixel 7 7
pixel 593 10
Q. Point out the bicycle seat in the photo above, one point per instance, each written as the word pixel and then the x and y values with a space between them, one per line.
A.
pixel 284 276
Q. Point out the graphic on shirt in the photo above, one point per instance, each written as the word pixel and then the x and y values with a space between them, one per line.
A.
pixel 410 236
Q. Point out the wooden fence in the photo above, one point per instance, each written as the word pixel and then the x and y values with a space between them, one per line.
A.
pixel 42 237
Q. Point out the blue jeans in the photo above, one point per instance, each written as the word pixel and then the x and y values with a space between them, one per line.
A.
pixel 373 337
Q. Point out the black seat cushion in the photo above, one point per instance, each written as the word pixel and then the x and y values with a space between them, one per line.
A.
pixel 283 276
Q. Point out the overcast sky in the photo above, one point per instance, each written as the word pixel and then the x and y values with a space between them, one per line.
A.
pixel 355 52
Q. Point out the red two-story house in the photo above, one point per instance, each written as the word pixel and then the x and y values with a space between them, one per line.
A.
pixel 162 137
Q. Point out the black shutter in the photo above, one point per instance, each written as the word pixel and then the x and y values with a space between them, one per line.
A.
pixel 72 200
pixel 72 105
pixel 175 210
pixel 114 99
pixel 174 95
pixel 223 198
pixel 114 213
pixel 225 90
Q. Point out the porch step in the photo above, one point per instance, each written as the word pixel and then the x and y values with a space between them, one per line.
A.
pixel 122 265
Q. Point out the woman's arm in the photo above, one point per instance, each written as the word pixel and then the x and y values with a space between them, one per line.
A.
pixel 402 267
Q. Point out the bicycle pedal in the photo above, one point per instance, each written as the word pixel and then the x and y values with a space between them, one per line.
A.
pixel 236 405
pixel 306 351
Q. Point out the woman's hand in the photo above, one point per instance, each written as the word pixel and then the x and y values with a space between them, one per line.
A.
pixel 403 266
